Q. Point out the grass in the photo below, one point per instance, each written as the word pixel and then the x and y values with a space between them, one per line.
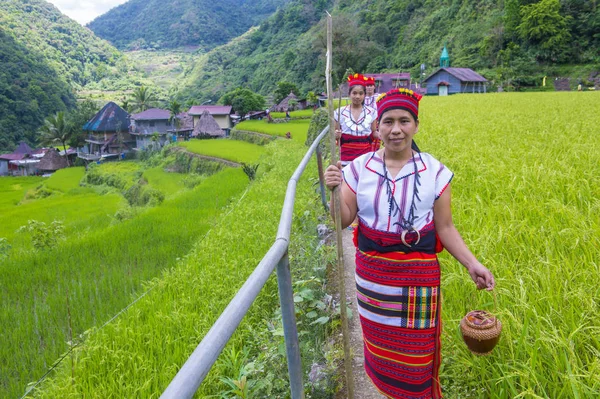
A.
pixel 303 113
pixel 139 353
pixel 231 150
pixel 99 270
pixel 65 180
pixel 526 199
pixel 168 183
pixel 297 128
pixel 13 189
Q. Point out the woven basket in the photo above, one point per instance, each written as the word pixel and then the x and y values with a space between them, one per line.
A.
pixel 481 331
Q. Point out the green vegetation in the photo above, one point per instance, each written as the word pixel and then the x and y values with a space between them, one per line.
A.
pixel 46 56
pixel 65 180
pixel 165 182
pixel 204 24
pixel 297 128
pixel 302 114
pixel 98 269
pixel 147 344
pixel 243 101
pixel 235 151
pixel 13 189
pixel 513 43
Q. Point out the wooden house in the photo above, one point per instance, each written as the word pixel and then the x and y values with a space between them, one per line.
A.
pixel 220 113
pixel 447 80
pixel 21 162
pixel 150 128
pixel 108 134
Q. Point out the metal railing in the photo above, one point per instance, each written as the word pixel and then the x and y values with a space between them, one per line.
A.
pixel 190 376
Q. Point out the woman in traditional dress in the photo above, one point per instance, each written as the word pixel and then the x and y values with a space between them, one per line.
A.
pixel 402 199
pixel 370 96
pixel 355 124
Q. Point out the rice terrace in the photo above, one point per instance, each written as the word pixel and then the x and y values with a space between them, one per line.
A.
pixel 527 192
pixel 174 222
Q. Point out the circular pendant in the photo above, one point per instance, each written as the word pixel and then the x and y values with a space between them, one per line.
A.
pixel 403 236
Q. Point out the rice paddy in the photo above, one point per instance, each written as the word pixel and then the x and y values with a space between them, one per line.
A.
pixel 231 150
pixel 526 198
pixel 296 127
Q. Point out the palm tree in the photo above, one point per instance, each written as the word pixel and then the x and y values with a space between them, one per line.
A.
pixel 175 109
pixel 143 98
pixel 56 130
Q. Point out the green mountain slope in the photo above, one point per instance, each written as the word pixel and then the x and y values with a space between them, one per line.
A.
pixel 515 43
pixel 46 56
pixel 157 24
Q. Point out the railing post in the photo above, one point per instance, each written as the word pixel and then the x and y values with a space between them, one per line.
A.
pixel 321 177
pixel 290 331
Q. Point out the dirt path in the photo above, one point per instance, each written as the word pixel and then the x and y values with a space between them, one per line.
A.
pixel 363 388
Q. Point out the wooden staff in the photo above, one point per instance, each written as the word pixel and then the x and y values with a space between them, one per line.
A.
pixel 337 216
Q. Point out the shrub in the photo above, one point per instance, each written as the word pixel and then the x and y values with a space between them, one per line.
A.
pixel 42 235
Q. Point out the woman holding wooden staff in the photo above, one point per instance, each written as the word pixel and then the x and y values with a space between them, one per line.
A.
pixel 356 123
pixel 402 199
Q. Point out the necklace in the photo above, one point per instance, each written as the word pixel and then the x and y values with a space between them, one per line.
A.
pixel 394 209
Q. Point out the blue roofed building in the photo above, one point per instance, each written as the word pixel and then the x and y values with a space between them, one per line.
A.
pixel 448 80
pixel 108 134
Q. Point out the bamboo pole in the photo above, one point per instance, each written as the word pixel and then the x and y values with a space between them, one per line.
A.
pixel 337 216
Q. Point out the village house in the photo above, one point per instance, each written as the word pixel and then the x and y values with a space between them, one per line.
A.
pixel 150 128
pixel 385 82
pixel 22 161
pixel 108 134
pixel 446 80
pixel 284 105
pixel 207 127
pixel 220 113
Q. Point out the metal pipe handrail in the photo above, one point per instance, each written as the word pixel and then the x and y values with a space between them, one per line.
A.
pixel 192 373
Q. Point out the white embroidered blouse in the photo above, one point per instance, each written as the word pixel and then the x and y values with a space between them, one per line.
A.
pixel 359 127
pixel 373 186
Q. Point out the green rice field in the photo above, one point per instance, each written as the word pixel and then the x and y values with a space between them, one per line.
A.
pixel 100 266
pixel 297 128
pixel 231 150
pixel 167 183
pixel 303 113
pixel 526 199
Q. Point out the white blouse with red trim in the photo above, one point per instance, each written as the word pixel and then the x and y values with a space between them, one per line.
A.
pixel 373 185
pixel 358 127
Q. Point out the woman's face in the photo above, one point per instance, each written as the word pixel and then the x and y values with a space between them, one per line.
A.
pixel 357 95
pixel 370 90
pixel 397 128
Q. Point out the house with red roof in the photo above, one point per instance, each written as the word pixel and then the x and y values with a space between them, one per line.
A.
pixel 23 161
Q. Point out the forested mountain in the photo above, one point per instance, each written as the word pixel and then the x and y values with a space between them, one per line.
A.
pixel 44 57
pixel 514 43
pixel 154 24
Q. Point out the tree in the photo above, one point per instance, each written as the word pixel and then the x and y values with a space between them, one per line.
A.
pixel 56 130
pixel 175 109
pixel 77 119
pixel 312 98
pixel 243 101
pixel 284 89
pixel 143 98
pixel 542 25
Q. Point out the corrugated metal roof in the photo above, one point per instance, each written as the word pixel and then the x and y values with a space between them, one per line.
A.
pixel 462 74
pixel 111 118
pixel 212 109
pixel 152 114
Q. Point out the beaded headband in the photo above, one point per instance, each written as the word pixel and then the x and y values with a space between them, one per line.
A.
pixel 357 80
pixel 399 99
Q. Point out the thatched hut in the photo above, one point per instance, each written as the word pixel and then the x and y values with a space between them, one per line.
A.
pixel 284 105
pixel 52 161
pixel 207 126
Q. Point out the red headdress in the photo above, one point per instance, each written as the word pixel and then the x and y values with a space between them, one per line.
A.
pixel 357 80
pixel 370 81
pixel 399 99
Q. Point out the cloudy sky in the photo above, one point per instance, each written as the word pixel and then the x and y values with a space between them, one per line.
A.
pixel 83 11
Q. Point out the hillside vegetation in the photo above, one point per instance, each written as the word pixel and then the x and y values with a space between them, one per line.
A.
pixel 45 57
pixel 514 43
pixel 154 24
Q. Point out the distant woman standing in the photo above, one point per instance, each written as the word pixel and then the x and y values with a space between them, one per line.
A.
pixel 356 123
